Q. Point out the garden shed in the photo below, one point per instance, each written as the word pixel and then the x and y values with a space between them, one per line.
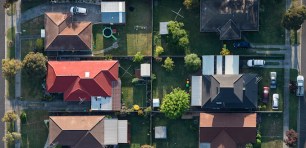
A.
pixel 145 70
pixel 160 132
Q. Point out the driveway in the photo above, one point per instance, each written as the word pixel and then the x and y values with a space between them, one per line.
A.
pixel 93 11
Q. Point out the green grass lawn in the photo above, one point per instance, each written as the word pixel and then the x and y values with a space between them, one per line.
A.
pixel 140 131
pixel 271 124
pixel 200 43
pixel 31 86
pixel 33 27
pixel 271 142
pixel 34 132
pixel 25 5
pixel 166 81
pixel 131 93
pixel 293 103
pixel 180 133
pixel 270 28
pixel 129 39
pixel 265 74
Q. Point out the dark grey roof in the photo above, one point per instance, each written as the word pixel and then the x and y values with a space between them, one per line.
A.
pixel 229 31
pixel 216 15
pixel 230 91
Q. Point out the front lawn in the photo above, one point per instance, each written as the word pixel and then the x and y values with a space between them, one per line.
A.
pixel 264 73
pixel 200 43
pixel 34 132
pixel 293 103
pixel 271 142
pixel 31 87
pixel 270 28
pixel 131 37
pixel 33 26
pixel 166 81
pixel 180 132
pixel 271 124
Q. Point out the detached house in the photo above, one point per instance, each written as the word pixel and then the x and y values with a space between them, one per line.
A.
pixel 87 131
pixel 95 81
pixel 64 35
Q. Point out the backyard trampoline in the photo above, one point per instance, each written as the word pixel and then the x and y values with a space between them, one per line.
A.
pixel 108 33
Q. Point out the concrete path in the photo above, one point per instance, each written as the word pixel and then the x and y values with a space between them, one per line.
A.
pixel 269 46
pixel 93 14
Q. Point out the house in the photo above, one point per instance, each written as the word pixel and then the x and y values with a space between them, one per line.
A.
pixel 229 17
pixel 61 34
pixel 95 81
pixel 234 92
pixel 84 131
pixel 227 130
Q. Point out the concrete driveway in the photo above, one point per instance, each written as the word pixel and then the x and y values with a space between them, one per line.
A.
pixel 93 11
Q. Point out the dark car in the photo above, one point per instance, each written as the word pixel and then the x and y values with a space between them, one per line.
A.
pixel 242 44
pixel 265 98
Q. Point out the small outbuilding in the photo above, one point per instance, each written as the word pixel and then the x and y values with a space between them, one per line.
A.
pixel 163 29
pixel 145 70
pixel 156 102
pixel 160 132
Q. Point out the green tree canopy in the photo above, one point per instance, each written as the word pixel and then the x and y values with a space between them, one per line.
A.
pixel 8 138
pixel 9 117
pixel 10 67
pixel 192 61
pixel 158 51
pixel 187 4
pixel 175 103
pixel 35 64
pixel 168 64
pixel 178 35
pixel 294 17
pixel 138 57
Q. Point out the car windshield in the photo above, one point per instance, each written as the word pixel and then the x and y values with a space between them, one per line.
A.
pixel 74 9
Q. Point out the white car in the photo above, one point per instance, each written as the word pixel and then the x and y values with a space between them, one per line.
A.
pixel 78 10
pixel 256 63
pixel 275 102
pixel 300 85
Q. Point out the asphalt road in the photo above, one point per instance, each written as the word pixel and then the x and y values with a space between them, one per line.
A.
pixel 302 132
pixel 2 56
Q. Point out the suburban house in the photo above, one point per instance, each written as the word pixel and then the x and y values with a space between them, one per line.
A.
pixel 229 17
pixel 95 81
pixel 222 88
pixel 227 130
pixel 61 34
pixel 84 131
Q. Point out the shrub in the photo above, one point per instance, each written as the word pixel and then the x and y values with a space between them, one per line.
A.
pixel 23 117
pixel 40 44
pixel 292 138
pixel 138 57
pixel 140 112
pixel 158 51
pixel 192 61
pixel 168 64
pixel 135 80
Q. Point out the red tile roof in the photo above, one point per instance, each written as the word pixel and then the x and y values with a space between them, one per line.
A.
pixel 224 130
pixel 82 78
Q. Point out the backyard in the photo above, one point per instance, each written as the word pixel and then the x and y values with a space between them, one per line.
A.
pixel 34 131
pixel 166 81
pixel 264 73
pixel 271 129
pixel 180 132
pixel 134 36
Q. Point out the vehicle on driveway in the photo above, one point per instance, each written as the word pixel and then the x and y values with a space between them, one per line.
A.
pixel 242 44
pixel 275 101
pixel 300 86
pixel 256 63
pixel 273 76
pixel 265 98
pixel 78 10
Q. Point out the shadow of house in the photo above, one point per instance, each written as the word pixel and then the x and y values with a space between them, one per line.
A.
pixel 229 17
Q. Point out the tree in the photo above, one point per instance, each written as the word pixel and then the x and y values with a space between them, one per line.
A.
pixel 187 4
pixel 9 117
pixel 292 137
pixel 175 103
pixel 192 61
pixel 177 35
pixel 168 64
pixel 10 67
pixel 16 135
pixel 294 17
pixel 158 51
pixel 8 138
pixel 35 64
pixel 138 57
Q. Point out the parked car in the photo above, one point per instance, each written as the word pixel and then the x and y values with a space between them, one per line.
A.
pixel 273 76
pixel 275 101
pixel 300 86
pixel 256 63
pixel 242 44
pixel 78 10
pixel 265 97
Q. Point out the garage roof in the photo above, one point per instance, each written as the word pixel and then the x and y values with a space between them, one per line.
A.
pixel 232 64
pixel 208 63
pixel 113 12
